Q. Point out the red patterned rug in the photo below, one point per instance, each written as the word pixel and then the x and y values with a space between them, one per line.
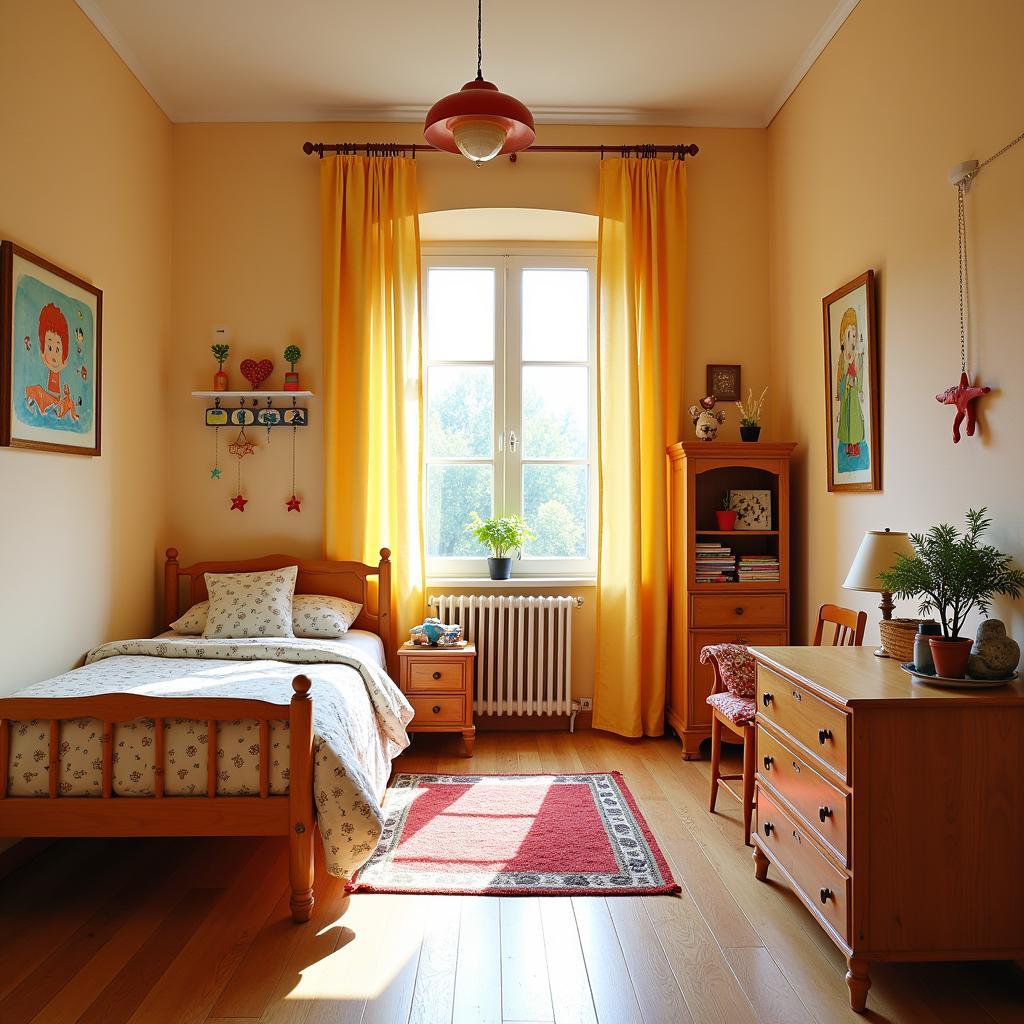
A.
pixel 502 835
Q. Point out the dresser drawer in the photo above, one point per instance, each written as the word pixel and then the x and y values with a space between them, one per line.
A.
pixel 717 610
pixel 821 729
pixel 438 710
pixel 822 885
pixel 426 674
pixel 824 808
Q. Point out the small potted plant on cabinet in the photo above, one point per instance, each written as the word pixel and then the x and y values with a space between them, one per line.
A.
pixel 220 378
pixel 750 415
pixel 292 354
pixel 505 536
pixel 954 573
pixel 725 515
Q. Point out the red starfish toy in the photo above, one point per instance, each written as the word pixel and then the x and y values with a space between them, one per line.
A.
pixel 293 504
pixel 238 502
pixel 963 396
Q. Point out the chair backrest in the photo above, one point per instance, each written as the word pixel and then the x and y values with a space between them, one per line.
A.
pixel 849 625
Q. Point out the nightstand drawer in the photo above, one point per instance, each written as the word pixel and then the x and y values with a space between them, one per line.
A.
pixel 717 610
pixel 429 674
pixel 438 710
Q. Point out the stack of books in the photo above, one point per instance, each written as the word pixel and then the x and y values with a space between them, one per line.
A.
pixel 715 563
pixel 758 569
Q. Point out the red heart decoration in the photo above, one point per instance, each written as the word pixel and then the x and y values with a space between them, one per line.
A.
pixel 256 373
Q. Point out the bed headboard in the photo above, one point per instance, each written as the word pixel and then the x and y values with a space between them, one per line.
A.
pixel 350 580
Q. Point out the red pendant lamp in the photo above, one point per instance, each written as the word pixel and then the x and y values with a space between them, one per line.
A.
pixel 478 121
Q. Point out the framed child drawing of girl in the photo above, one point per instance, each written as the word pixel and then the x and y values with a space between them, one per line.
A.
pixel 851 387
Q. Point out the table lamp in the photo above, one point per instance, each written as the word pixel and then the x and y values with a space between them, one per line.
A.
pixel 878 553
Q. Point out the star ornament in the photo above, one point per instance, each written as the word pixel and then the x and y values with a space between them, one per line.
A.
pixel 963 396
pixel 293 504
pixel 241 447
pixel 215 473
pixel 238 503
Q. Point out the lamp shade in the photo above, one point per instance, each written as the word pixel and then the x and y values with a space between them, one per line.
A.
pixel 878 553
pixel 486 122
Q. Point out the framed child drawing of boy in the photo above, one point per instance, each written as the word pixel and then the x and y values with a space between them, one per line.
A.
pixel 50 340
pixel 851 387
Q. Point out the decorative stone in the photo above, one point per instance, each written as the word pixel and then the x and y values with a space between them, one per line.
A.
pixel 994 655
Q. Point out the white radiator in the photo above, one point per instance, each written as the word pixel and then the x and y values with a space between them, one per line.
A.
pixel 524 650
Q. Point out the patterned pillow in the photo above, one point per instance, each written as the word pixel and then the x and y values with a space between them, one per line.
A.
pixel 250 604
pixel 737 665
pixel 320 617
pixel 193 622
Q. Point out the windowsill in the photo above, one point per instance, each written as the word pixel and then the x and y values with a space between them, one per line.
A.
pixel 516 583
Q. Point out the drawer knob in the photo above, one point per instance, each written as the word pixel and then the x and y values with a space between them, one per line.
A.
pixel 436 709
pixel 823 735
pixel 769 828
pixel 437 675
pixel 768 763
pixel 766 699
pixel 739 609
pixel 824 812
pixel 826 895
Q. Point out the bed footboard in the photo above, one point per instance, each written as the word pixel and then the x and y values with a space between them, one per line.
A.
pixel 160 815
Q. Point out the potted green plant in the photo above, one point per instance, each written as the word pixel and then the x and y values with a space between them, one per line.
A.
pixel 726 516
pixel 750 415
pixel 292 354
pixel 505 536
pixel 954 573
pixel 220 378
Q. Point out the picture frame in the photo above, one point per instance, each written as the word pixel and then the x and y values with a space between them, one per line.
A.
pixel 852 420
pixel 51 343
pixel 753 509
pixel 723 381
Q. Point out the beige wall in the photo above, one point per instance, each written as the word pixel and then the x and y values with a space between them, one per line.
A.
pixel 859 162
pixel 247 254
pixel 85 182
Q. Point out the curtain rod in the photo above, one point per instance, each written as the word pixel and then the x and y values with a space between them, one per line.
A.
pixel 680 152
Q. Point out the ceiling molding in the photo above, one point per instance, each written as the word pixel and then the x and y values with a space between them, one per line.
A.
pixel 842 10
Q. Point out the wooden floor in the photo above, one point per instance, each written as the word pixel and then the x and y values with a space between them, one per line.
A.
pixel 198 930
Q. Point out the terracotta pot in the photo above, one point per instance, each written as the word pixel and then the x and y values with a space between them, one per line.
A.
pixel 950 655
pixel 291 380
pixel 220 381
pixel 726 519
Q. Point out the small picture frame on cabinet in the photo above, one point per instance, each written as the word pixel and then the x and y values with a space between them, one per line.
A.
pixel 724 381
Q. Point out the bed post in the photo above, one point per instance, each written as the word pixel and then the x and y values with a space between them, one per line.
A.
pixel 384 610
pixel 170 588
pixel 300 796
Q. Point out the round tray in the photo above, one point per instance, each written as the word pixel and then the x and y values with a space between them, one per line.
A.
pixel 963 684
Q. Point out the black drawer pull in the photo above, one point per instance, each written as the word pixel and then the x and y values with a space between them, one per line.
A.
pixel 796 767
pixel 768 763
pixel 769 828
pixel 766 699
pixel 739 609
pixel 823 813
pixel 436 709
pixel 797 696
pixel 826 895
pixel 823 735
pixel 437 675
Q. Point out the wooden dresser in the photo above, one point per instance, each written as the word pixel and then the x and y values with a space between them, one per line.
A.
pixel 749 612
pixel 438 682
pixel 894 810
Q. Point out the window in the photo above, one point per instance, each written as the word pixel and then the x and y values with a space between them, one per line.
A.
pixel 509 364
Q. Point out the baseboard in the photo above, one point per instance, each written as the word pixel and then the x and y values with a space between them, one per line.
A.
pixel 16 852
pixel 531 723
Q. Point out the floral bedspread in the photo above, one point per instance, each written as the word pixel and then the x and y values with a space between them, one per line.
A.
pixel 359 720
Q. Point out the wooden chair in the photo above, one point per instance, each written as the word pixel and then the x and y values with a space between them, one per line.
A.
pixel 733 707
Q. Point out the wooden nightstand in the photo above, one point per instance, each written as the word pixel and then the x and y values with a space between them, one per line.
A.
pixel 438 682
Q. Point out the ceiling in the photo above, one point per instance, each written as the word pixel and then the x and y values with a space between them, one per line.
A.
pixel 725 63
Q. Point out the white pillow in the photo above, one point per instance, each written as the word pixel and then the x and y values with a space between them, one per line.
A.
pixel 250 604
pixel 315 616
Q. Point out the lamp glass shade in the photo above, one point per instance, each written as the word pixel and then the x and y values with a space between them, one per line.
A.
pixel 479 138
pixel 878 553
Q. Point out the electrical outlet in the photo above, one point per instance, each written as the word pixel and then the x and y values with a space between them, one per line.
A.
pixel 586 703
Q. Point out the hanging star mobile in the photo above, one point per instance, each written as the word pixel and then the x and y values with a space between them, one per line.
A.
pixel 293 504
pixel 240 447
pixel 238 503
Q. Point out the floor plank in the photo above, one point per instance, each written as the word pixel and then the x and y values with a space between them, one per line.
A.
pixel 610 984
pixel 478 970
pixel 525 993
pixel 568 981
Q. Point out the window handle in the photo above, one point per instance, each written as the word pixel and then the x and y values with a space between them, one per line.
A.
pixel 513 441
pixel 501 443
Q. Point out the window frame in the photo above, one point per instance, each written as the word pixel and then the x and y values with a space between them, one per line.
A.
pixel 508 261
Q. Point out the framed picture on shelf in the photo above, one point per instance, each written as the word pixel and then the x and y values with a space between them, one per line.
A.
pixel 50 346
pixel 723 382
pixel 753 509
pixel 851 387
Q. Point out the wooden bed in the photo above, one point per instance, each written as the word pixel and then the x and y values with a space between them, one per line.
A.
pixel 208 815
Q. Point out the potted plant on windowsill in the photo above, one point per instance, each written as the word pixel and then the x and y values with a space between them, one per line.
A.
pixel 505 536
pixel 954 573
pixel 750 415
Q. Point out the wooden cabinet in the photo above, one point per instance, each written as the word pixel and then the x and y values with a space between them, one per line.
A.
pixel 438 682
pixel 748 611
pixel 894 810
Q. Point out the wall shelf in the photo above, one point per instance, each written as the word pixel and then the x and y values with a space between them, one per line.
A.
pixel 252 394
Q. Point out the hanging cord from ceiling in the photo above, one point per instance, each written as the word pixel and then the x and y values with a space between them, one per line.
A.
pixel 479 40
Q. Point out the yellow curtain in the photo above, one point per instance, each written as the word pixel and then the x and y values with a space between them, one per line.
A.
pixel 641 268
pixel 372 370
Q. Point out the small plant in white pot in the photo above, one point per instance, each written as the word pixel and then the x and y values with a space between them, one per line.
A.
pixel 954 573
pixel 505 536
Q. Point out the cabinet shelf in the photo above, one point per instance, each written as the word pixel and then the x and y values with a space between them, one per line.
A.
pixel 737 533
pixel 252 394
